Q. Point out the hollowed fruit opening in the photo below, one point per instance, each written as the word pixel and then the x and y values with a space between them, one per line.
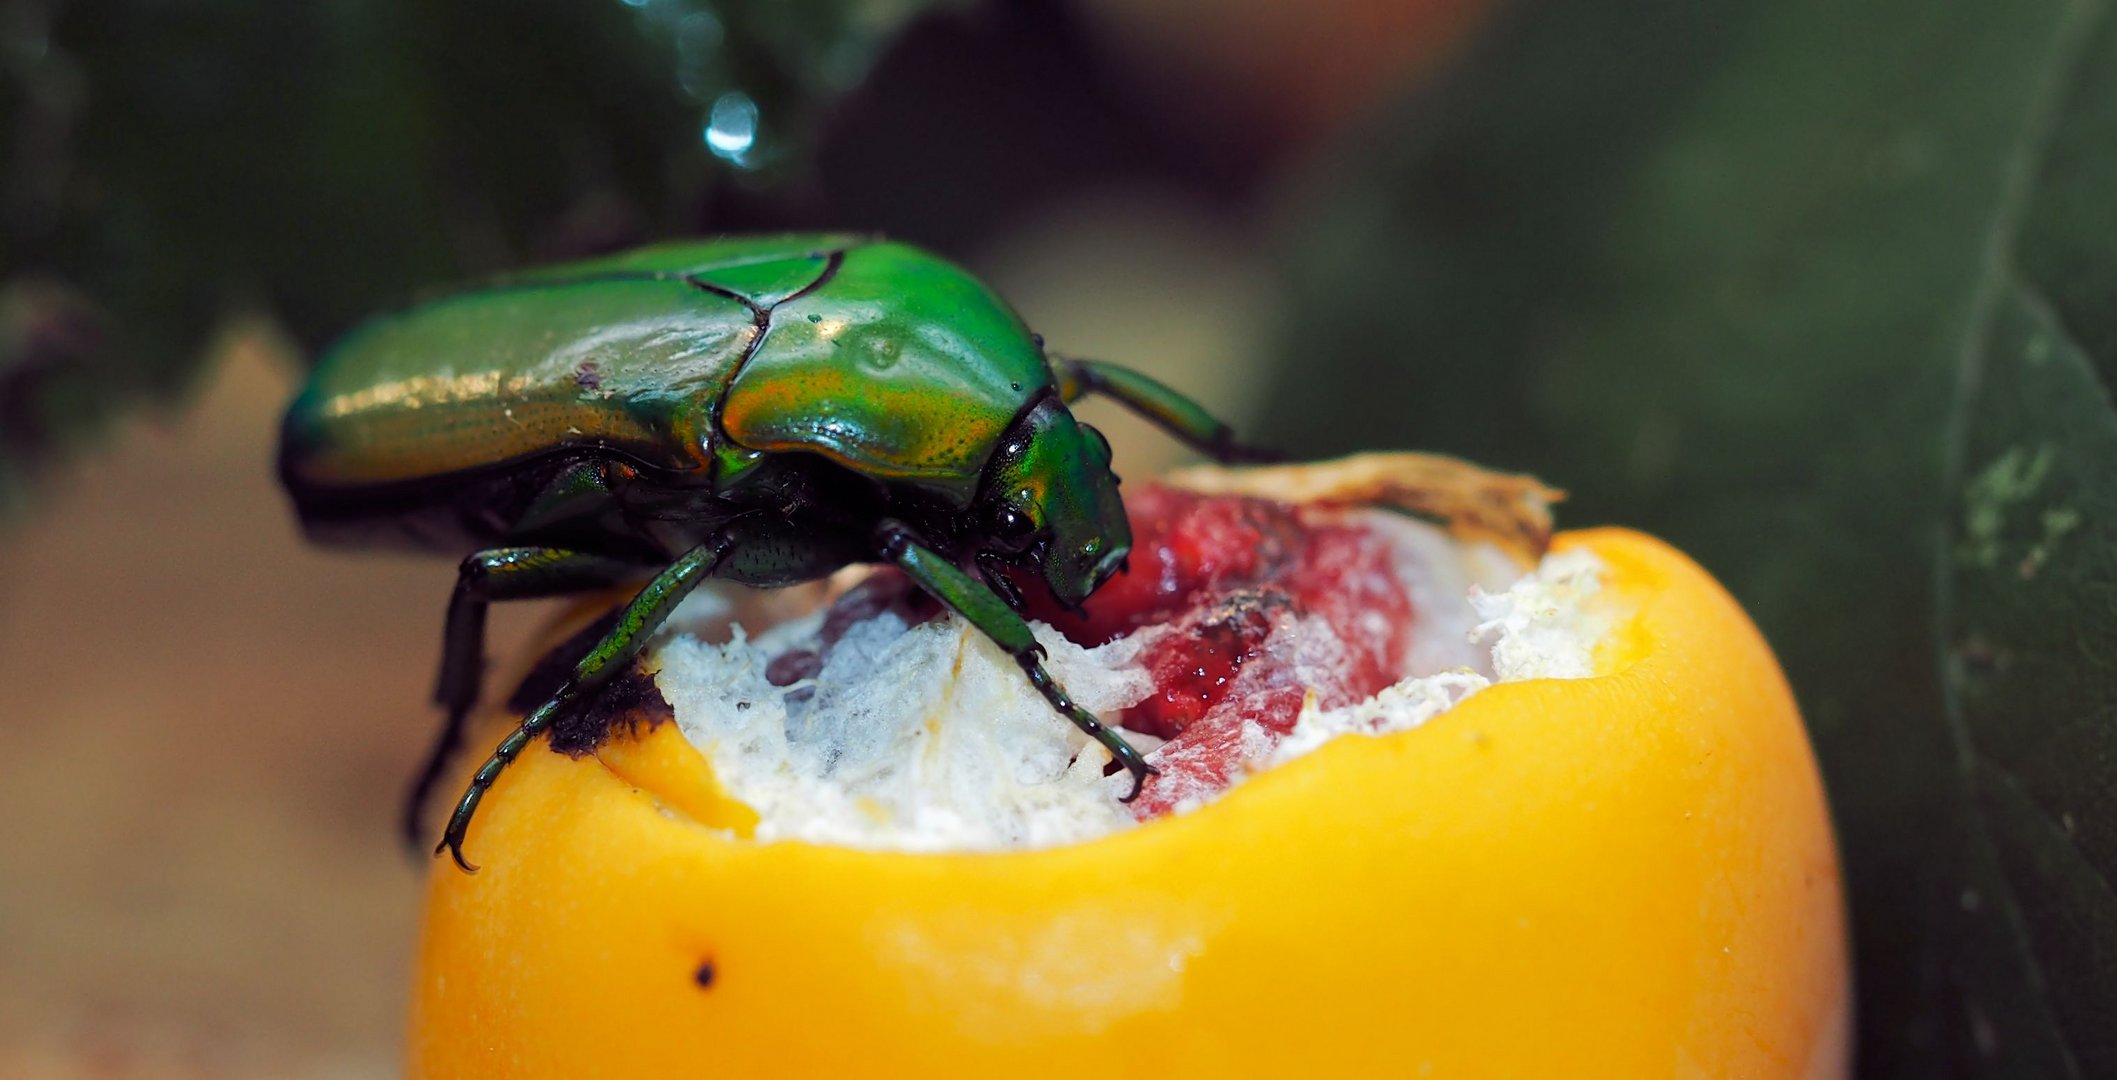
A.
pixel 1247 631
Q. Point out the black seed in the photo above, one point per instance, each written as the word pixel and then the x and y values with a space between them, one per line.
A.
pixel 704 975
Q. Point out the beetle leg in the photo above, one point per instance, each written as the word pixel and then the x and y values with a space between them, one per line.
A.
pixel 947 582
pixel 514 573
pixel 636 623
pixel 994 572
pixel 1158 403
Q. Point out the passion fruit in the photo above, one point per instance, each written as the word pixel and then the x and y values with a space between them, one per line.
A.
pixel 1624 873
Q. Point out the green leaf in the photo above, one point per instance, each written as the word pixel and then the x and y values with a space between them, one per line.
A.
pixel 2029 592
pixel 1762 277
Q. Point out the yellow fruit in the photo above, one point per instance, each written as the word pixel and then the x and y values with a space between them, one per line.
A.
pixel 1629 875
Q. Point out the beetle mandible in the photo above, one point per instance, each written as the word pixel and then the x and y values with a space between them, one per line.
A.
pixel 760 409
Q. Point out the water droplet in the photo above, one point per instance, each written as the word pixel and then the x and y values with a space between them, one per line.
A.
pixel 731 127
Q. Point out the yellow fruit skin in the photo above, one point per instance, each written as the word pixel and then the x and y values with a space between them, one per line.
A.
pixel 1625 876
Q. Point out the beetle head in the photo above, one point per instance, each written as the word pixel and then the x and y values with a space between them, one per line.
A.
pixel 1049 502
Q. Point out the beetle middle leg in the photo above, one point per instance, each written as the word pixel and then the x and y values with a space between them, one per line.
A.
pixel 636 623
pixel 1157 402
pixel 993 617
pixel 511 573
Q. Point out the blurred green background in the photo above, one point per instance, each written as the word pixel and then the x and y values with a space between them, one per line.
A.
pixel 1825 293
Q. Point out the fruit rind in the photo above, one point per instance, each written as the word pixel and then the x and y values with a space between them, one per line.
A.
pixel 1625 875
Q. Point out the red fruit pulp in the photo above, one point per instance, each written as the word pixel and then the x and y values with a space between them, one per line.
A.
pixel 1258 604
pixel 1249 606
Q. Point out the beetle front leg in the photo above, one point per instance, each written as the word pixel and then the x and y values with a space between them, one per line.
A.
pixel 515 573
pixel 978 604
pixel 1160 404
pixel 636 623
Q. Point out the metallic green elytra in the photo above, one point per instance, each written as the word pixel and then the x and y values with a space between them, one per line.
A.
pixel 760 409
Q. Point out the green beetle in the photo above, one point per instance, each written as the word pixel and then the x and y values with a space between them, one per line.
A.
pixel 762 409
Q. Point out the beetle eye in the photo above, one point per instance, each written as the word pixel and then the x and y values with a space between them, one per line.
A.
pixel 1010 527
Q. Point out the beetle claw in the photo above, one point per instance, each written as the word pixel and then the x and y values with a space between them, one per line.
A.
pixel 1139 772
pixel 454 846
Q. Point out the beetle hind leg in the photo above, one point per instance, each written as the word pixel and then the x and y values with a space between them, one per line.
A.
pixel 636 623
pixel 514 573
